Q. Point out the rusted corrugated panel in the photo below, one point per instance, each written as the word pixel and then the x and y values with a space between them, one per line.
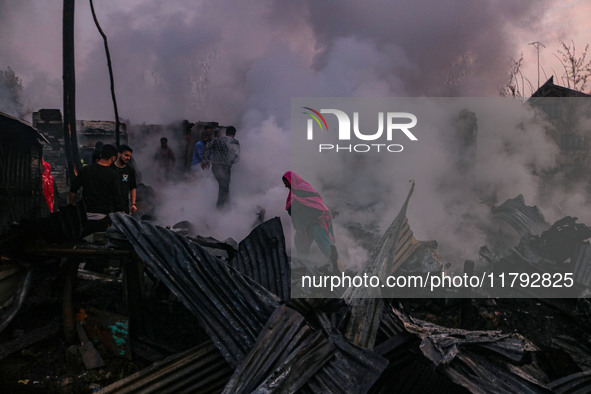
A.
pixel 522 218
pixel 20 172
pixel 201 369
pixel 30 338
pixel 471 358
pixel 411 373
pixel 7 121
pixel 406 246
pixel 287 354
pixel 558 242
pixel 578 383
pixel 582 264
pixel 16 282
pixel 262 257
pixel 100 127
pixel 366 309
pixel 390 325
pixel 231 307
pixel 480 375
pixel 352 369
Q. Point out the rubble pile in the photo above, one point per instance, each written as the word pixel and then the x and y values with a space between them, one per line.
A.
pixel 254 337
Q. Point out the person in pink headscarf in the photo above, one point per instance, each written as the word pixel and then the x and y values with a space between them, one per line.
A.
pixel 310 218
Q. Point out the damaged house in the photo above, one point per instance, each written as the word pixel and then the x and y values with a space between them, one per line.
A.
pixel 21 154
pixel 564 109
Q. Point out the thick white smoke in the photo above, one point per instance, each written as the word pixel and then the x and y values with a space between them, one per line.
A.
pixel 240 63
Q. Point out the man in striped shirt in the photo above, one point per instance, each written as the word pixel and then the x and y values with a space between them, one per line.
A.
pixel 226 153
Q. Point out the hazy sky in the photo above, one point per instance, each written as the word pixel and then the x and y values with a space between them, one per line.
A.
pixel 224 60
pixel 241 63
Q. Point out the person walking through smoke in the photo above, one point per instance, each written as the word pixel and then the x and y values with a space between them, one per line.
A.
pixel 164 157
pixel 226 153
pixel 310 218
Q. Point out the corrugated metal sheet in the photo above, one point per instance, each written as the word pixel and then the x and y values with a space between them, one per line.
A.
pixel 390 325
pixel 231 307
pixel 522 218
pixel 582 264
pixel 106 127
pixel 16 281
pixel 406 246
pixel 262 257
pixel 560 240
pixel 352 369
pixel 411 373
pixel 21 194
pixel 366 309
pixel 480 361
pixel 578 383
pixel 287 354
pixel 201 369
pixel 480 375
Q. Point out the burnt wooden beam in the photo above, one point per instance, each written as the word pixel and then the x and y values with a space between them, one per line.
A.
pixel 110 67
pixel 70 269
pixel 135 304
pixel 69 77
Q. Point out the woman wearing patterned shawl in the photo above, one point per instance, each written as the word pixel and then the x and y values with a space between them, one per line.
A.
pixel 310 218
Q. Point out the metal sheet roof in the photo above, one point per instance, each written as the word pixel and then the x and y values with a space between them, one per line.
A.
pixel 287 353
pixel 231 307
pixel 262 257
pixel 201 369
pixel 522 218
pixel 578 383
pixel 363 324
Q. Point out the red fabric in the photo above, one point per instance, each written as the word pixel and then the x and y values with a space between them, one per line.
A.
pixel 48 192
pixel 313 201
pixel 298 183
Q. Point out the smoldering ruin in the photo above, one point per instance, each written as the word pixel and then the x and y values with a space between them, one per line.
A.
pixel 145 308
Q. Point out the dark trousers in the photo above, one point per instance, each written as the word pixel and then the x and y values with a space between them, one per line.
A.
pixel 95 226
pixel 222 175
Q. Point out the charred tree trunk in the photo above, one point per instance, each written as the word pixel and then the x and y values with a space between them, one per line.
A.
pixel 70 140
pixel 98 26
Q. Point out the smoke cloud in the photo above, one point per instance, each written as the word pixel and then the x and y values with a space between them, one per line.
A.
pixel 241 63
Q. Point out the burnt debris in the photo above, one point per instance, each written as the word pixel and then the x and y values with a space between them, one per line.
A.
pixel 251 335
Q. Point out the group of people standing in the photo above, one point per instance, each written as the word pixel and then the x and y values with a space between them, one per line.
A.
pixel 220 152
pixel 108 185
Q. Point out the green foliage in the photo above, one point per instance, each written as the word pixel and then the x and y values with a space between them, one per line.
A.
pixel 576 70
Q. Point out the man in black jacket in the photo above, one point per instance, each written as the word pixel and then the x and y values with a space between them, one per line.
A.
pixel 101 191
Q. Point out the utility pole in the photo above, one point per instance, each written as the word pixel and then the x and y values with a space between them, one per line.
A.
pixel 537 45
pixel 70 140
pixel 70 144
pixel 117 123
